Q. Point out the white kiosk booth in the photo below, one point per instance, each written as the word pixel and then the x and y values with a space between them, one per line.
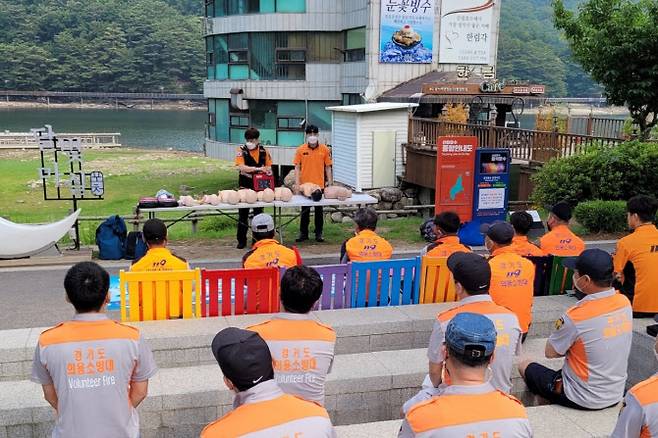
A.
pixel 367 143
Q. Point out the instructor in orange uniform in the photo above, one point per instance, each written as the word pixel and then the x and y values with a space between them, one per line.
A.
pixel 312 165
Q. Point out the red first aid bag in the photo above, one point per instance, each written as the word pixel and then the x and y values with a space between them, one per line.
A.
pixel 263 181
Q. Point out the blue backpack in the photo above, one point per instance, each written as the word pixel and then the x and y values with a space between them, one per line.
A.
pixel 111 238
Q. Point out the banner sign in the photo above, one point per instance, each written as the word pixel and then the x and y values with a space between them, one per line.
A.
pixel 467 32
pixel 406 31
pixel 455 162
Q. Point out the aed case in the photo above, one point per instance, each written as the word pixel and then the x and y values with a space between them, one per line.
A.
pixel 263 181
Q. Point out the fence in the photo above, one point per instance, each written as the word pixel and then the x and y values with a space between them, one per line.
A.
pixel 524 144
pixel 596 126
pixel 26 140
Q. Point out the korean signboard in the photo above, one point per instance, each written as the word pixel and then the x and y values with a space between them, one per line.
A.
pixel 406 31
pixel 467 32
pixel 455 163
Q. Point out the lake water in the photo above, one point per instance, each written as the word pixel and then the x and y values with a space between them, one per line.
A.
pixel 157 129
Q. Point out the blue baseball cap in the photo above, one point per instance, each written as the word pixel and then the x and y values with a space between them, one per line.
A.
pixel 472 335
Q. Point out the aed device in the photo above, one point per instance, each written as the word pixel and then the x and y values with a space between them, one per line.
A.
pixel 455 158
pixel 490 193
pixel 263 181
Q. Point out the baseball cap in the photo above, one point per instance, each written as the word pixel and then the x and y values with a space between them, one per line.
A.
pixel 154 231
pixel 562 210
pixel 262 223
pixel 243 357
pixel 595 263
pixel 470 270
pixel 471 334
pixel 499 232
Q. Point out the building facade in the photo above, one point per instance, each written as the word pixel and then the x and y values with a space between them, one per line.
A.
pixel 277 64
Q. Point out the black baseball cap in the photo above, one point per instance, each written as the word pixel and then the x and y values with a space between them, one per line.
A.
pixel 243 356
pixel 562 210
pixel 595 263
pixel 470 270
pixel 499 232
pixel 154 231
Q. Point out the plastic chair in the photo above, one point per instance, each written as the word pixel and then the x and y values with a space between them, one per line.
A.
pixel 436 283
pixel 561 277
pixel 336 286
pixel 240 291
pixel 543 268
pixel 395 283
pixel 157 295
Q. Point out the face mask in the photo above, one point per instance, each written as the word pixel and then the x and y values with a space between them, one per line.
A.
pixel 575 283
pixel 251 145
pixel 655 354
pixel 312 140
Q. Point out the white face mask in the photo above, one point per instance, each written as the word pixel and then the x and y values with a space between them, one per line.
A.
pixel 656 354
pixel 312 139
pixel 251 145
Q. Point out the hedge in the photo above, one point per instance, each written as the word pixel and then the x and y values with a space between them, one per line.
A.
pixel 602 172
pixel 602 216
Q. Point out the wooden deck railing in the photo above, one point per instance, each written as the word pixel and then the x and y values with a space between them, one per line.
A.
pixel 524 144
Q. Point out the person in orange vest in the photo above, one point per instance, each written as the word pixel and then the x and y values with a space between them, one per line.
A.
pixel 301 347
pixel 512 276
pixel 594 337
pixel 366 245
pixel 636 257
pixel 446 225
pixel 73 356
pixel 261 408
pixel 469 405
pixel 267 252
pixel 522 222
pixel 639 415
pixel 158 257
pixel 560 240
pixel 312 165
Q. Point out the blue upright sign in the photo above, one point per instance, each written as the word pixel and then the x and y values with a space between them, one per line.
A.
pixel 490 193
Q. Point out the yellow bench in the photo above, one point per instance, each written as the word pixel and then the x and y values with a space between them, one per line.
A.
pixel 154 295
pixel 436 284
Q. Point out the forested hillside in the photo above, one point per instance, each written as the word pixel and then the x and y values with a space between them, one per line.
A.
pixel 153 45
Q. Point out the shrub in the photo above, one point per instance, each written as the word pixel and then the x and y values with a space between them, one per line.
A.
pixel 606 173
pixel 602 216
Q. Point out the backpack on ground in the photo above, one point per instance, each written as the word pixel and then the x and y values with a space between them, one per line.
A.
pixel 111 238
pixel 135 245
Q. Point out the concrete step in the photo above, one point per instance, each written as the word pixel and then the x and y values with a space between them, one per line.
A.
pixel 546 421
pixel 362 387
pixel 181 343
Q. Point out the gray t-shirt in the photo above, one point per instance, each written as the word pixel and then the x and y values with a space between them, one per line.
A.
pixel 91 361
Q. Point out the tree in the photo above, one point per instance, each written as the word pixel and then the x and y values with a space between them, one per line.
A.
pixel 616 42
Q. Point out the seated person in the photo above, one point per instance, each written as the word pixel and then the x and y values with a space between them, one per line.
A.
pixel 267 252
pixel 366 245
pixel 301 347
pixel 472 275
pixel 560 240
pixel 261 409
pixel 636 257
pixel 639 416
pixel 512 276
pixel 522 222
pixel 158 257
pixel 446 225
pixel 469 406
pixel 595 336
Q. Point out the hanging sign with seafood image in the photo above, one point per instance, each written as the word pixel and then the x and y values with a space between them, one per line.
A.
pixel 406 31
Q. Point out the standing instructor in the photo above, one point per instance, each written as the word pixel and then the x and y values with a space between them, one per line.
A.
pixel 312 165
pixel 250 158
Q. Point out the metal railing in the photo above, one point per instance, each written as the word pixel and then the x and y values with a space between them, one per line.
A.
pixel 94 95
pixel 26 140
pixel 524 144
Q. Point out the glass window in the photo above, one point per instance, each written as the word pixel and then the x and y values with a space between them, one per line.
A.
pixel 351 99
pixel 291 108
pixel 221 57
pixel 319 116
pixel 238 7
pixel 355 44
pixel 267 6
pixel 210 8
pixel 210 58
pixel 291 5
pixel 290 138
pixel 290 56
pixel 211 120
pixel 324 47
pixel 263 117
pixel 261 51
pixel 237 135
pixel 238 72
pixel 220 8
pixel 221 119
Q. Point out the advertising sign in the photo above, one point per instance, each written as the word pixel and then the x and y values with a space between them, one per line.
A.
pixel 467 32
pixel 406 31
pixel 455 162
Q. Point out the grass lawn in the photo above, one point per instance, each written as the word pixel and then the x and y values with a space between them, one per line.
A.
pixel 132 173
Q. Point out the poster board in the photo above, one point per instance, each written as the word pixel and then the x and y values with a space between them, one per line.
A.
pixel 467 32
pixel 455 163
pixel 406 31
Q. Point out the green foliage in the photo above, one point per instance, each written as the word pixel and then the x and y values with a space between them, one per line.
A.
pixel 615 42
pixel 531 49
pixel 102 45
pixel 602 216
pixel 601 173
